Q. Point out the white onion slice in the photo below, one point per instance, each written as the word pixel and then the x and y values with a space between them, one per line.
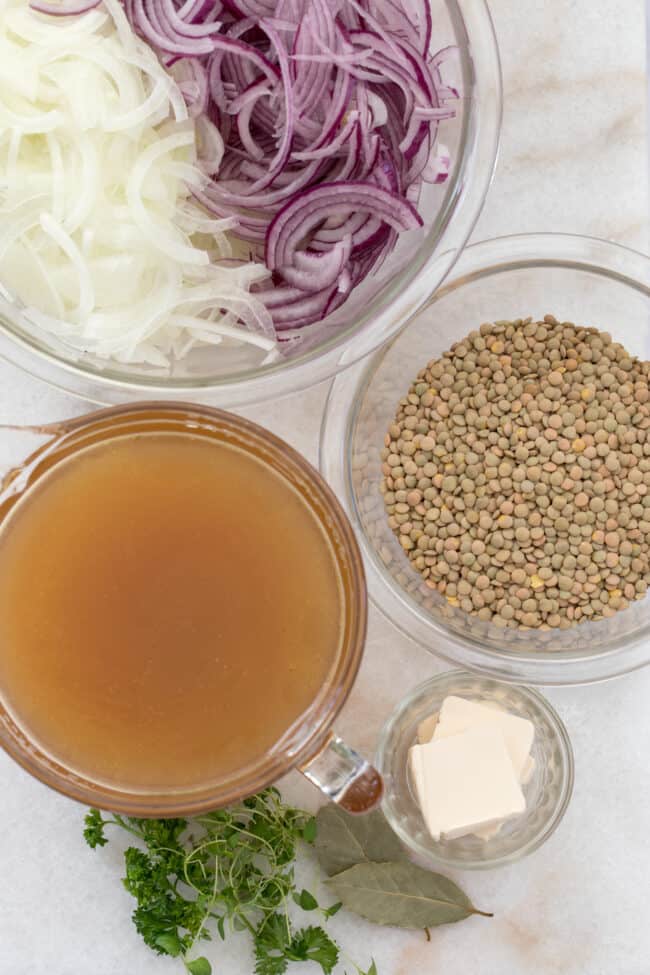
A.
pixel 100 237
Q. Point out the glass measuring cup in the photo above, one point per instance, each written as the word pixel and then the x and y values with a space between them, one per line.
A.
pixel 309 744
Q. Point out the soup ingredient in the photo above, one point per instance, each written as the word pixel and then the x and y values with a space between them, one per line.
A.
pixel 329 111
pixel 517 474
pixel 158 594
pixel 343 840
pixel 371 873
pixel 426 728
pixel 458 715
pixel 401 895
pixel 232 870
pixel 466 782
pixel 101 237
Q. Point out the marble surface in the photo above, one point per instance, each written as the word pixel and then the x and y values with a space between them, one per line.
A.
pixel 574 159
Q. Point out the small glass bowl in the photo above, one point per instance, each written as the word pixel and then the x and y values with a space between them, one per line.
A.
pixel 547 792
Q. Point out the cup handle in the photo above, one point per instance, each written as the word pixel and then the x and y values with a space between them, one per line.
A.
pixel 345 777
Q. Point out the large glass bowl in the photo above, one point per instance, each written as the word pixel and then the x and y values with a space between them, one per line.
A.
pixel 376 309
pixel 579 279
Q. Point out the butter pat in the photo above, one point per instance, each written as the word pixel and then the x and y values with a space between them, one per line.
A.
pixel 458 715
pixel 426 729
pixel 465 782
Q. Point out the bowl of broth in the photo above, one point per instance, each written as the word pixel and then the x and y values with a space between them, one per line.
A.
pixel 182 613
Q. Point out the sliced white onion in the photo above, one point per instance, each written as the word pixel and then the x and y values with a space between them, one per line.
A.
pixel 100 237
pixel 86 293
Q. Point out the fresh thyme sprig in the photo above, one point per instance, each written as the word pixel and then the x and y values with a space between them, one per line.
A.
pixel 228 870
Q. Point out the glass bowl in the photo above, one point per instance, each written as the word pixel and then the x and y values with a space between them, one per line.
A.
pixel 547 791
pixel 376 309
pixel 580 279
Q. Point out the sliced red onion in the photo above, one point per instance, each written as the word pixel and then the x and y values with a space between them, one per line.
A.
pixel 277 164
pixel 269 198
pixel 329 112
pixel 178 26
pixel 296 314
pixel 200 11
pixel 339 140
pixel 232 45
pixel 438 167
pixel 311 272
pixel 255 8
pixel 310 208
pixel 345 282
pixel 148 20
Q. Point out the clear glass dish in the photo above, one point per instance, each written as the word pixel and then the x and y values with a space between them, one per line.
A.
pixel 374 312
pixel 547 792
pixel 309 744
pixel 580 279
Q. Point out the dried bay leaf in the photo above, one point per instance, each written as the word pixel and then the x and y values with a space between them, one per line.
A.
pixel 402 895
pixel 343 840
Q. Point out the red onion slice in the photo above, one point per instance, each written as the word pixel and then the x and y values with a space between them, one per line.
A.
pixel 311 207
pixel 327 109
pixel 312 272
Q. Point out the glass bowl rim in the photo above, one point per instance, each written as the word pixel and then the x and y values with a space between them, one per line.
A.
pixel 561 736
pixel 626 266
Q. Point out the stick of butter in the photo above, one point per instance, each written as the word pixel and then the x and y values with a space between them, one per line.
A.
pixel 458 715
pixel 466 782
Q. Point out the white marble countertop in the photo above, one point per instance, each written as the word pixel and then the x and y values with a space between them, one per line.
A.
pixel 573 159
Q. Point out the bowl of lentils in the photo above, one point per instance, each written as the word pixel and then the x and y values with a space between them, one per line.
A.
pixel 495 461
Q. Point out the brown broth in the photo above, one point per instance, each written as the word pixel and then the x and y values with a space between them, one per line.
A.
pixel 169 607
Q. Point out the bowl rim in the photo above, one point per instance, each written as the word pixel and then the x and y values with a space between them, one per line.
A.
pixel 452 677
pixel 484 258
pixel 460 209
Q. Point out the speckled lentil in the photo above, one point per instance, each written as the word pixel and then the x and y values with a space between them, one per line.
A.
pixel 516 474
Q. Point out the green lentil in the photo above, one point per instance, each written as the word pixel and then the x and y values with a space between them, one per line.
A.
pixel 516 474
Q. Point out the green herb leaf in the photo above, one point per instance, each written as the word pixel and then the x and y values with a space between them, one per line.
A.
pixel 161 910
pixel 272 963
pixel 334 909
pixel 313 944
pixel 371 971
pixel 200 966
pixel 402 895
pixel 271 943
pixel 94 831
pixel 305 900
pixel 310 830
pixel 169 944
pixel 344 840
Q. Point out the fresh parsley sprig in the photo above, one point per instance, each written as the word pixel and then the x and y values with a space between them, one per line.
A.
pixel 229 870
